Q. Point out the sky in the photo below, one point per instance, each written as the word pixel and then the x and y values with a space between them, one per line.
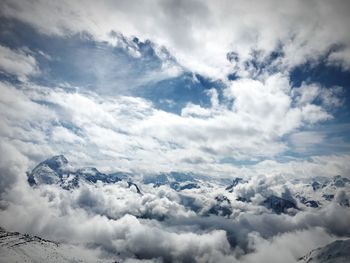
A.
pixel 216 88
pixel 184 85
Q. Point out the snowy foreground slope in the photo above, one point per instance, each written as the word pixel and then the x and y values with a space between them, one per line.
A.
pixel 17 247
pixel 335 252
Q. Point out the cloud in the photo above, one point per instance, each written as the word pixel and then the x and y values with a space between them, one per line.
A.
pixel 61 134
pixel 305 140
pixel 19 63
pixel 286 247
pixel 127 225
pixel 12 164
pixel 159 226
pixel 327 97
pixel 250 123
pixel 256 125
pixel 200 34
pixel 340 58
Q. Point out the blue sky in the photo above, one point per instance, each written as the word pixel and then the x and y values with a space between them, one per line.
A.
pixel 127 85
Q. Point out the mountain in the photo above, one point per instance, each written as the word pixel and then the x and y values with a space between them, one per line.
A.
pixel 49 171
pixel 177 181
pixel 17 247
pixel 235 182
pixel 322 190
pixel 166 178
pixel 183 186
pixel 222 206
pixel 335 252
pixel 308 193
pixel 56 170
pixel 278 205
pixel 309 203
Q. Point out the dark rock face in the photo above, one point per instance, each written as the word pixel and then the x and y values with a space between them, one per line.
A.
pixel 328 197
pixel 189 186
pixel 316 185
pixel 31 179
pixel 220 210
pixel 309 203
pixel 130 184
pixel 242 199
pixel 70 182
pixel 235 182
pixel 222 206
pixel 339 181
pixel 278 204
pixel 222 198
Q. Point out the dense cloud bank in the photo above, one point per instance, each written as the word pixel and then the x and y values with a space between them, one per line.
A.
pixel 160 226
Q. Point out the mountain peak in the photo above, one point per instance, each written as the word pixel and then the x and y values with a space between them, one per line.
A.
pixel 56 162
pixel 49 171
pixel 278 204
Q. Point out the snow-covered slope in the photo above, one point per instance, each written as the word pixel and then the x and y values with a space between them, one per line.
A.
pixel 56 170
pixel 49 171
pixel 16 247
pixel 335 252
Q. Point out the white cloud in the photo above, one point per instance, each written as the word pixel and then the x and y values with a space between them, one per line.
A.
pixel 286 247
pixel 61 134
pixel 340 58
pixel 126 133
pixel 122 223
pixel 260 117
pixel 328 97
pixel 200 34
pixel 305 140
pixel 18 63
